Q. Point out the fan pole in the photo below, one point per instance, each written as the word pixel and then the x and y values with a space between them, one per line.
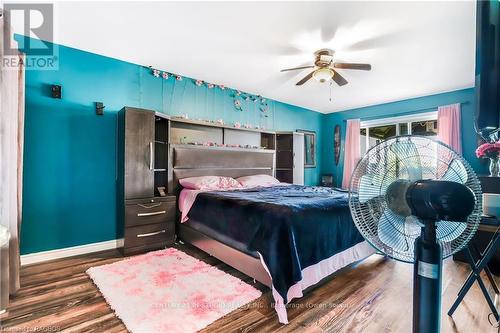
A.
pixel 427 273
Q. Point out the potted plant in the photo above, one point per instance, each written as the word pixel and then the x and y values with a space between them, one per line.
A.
pixel 491 151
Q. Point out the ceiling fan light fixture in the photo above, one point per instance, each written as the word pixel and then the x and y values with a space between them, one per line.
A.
pixel 323 75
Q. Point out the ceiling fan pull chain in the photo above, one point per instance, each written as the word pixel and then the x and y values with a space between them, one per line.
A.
pixel 331 90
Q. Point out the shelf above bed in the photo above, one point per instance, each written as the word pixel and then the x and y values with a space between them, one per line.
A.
pixel 200 133
pixel 210 124
pixel 182 145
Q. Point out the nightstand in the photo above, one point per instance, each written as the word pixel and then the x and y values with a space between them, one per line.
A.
pixel 149 224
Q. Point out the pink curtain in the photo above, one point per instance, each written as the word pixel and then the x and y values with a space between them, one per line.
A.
pixel 449 126
pixel 352 150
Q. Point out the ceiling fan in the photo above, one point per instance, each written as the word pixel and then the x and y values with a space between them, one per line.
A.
pixel 324 68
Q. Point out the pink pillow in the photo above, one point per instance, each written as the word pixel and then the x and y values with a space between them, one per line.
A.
pixel 258 180
pixel 209 183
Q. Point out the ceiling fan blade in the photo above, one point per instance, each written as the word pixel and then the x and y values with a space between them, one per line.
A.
pixel 296 68
pixel 339 79
pixel 343 65
pixel 305 79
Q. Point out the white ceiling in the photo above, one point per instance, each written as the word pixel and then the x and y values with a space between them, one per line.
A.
pixel 415 48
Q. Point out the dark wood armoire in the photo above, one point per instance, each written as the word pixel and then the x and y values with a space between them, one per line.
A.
pixel 142 154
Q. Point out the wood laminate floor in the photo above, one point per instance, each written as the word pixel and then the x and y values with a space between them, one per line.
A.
pixel 374 296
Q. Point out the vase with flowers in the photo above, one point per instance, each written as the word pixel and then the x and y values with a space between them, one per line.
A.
pixel 491 151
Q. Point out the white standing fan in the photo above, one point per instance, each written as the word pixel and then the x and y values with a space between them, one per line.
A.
pixel 417 201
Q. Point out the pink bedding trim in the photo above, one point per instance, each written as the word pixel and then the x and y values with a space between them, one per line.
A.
pixel 315 273
pixel 186 201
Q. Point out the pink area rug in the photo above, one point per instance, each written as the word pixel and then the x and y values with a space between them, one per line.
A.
pixel 169 291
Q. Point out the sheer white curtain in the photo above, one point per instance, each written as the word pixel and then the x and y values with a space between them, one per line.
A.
pixel 11 159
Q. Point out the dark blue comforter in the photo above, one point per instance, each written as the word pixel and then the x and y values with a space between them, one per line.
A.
pixel 292 227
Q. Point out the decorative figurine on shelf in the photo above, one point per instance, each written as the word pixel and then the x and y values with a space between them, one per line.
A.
pixel 161 190
pixel 156 73
pixel 222 87
pixel 210 85
pixel 491 151
pixel 178 78
pixel 165 75
pixel 198 82
pixel 219 122
pixel 237 125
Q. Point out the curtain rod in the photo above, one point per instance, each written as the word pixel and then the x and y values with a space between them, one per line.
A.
pixel 432 108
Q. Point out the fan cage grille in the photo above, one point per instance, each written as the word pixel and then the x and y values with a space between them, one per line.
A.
pixel 394 159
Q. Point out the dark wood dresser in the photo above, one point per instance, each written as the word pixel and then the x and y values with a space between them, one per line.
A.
pixel 149 224
pixel 145 212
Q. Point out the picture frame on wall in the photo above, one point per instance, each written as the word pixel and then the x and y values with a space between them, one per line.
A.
pixel 309 148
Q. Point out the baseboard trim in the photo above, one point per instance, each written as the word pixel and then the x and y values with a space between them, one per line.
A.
pixel 38 257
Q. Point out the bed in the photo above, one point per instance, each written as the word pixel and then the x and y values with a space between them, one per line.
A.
pixel 266 232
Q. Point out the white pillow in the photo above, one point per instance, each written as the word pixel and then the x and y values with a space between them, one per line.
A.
pixel 258 180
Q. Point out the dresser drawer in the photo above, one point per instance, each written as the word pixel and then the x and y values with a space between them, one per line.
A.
pixel 142 213
pixel 151 234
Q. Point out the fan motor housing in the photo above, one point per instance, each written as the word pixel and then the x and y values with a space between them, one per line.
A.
pixel 324 57
pixel 440 200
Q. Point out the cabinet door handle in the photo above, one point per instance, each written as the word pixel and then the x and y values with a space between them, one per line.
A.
pixel 149 234
pixel 150 206
pixel 152 213
pixel 151 156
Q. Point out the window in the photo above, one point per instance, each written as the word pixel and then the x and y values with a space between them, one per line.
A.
pixel 375 131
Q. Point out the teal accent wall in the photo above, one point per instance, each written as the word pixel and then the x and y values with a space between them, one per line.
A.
pixel 409 106
pixel 70 153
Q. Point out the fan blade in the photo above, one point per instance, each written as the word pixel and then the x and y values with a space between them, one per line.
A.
pixel 374 185
pixel 362 67
pixel 456 172
pixel 408 158
pixel 446 231
pixel 339 79
pixel 305 79
pixel 394 231
pixel 296 68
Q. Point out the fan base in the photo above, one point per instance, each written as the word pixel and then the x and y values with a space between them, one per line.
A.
pixel 427 273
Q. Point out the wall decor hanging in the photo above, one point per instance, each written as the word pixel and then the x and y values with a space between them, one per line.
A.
pixel 259 108
pixel 264 107
pixel 337 143
pixel 237 105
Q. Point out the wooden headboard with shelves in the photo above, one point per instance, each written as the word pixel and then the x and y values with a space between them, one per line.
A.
pixel 192 161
